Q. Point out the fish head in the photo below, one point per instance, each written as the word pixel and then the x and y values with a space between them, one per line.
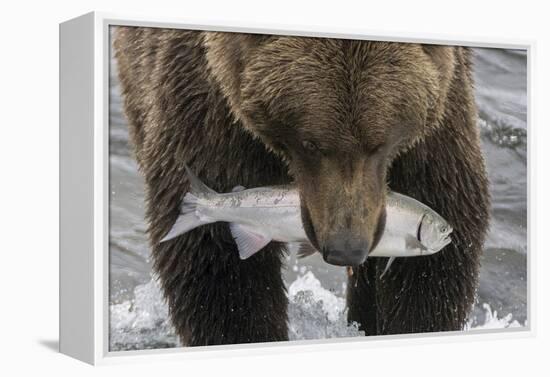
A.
pixel 434 232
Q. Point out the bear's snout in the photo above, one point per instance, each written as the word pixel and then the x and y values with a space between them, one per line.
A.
pixel 343 208
pixel 346 249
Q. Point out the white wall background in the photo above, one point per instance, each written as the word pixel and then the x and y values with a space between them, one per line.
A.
pixel 29 183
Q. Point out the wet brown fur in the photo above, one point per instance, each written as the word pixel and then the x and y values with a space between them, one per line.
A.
pixel 345 120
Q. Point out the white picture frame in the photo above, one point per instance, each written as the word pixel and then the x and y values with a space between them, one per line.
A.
pixel 84 195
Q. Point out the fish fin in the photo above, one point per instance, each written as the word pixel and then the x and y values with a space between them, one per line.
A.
pixel 238 188
pixel 305 250
pixel 197 187
pixel 248 243
pixel 390 261
pixel 184 223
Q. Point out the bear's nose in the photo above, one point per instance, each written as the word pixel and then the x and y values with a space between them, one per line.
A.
pixel 344 249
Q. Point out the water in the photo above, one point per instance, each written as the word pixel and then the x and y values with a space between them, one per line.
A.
pixel 139 317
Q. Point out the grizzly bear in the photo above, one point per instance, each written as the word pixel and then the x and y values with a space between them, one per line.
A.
pixel 343 120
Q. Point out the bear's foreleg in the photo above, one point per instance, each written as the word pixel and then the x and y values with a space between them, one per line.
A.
pixel 216 298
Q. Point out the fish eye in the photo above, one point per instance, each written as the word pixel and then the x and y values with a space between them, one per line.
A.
pixel 443 229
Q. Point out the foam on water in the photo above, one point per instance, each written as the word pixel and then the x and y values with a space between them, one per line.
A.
pixel 142 322
pixel 492 321
pixel 314 313
pixel 503 134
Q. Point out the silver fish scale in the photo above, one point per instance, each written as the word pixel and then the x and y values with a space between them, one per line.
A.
pixel 260 197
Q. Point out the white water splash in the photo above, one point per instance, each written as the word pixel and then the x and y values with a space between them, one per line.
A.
pixel 493 322
pixel 314 313
pixel 141 323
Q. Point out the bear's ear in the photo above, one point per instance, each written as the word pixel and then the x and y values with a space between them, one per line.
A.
pixel 227 55
pixel 443 58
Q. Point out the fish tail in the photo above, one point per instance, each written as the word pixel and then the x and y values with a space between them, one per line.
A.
pixel 197 187
pixel 189 203
pixel 188 218
pixel 184 224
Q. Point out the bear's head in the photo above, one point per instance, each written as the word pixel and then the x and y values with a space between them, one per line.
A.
pixel 338 112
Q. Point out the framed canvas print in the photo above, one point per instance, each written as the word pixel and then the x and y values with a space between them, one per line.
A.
pixel 231 189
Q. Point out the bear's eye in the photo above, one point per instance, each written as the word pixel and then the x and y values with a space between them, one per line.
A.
pixel 309 146
pixel 375 149
pixel 280 146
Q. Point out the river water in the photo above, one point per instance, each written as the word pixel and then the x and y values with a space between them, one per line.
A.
pixel 138 314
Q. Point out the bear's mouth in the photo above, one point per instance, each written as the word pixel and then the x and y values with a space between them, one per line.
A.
pixel 379 230
pixel 312 236
pixel 308 227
